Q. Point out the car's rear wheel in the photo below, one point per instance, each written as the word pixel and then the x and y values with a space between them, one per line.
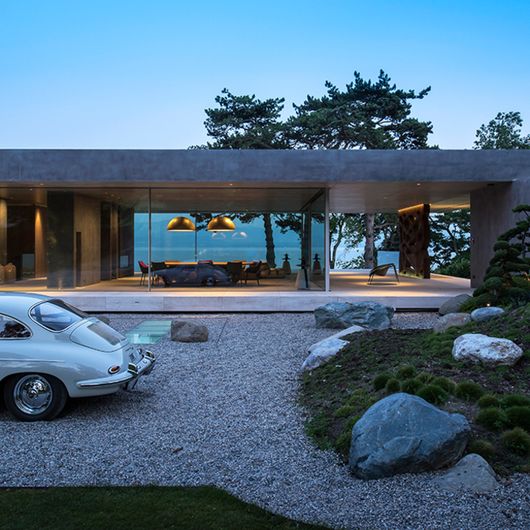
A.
pixel 34 397
pixel 210 281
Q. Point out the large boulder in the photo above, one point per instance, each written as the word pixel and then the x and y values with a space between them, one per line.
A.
pixel 451 320
pixel 340 315
pixel 186 331
pixel 486 313
pixel 322 351
pixel 454 304
pixel 478 348
pixel 472 474
pixel 406 434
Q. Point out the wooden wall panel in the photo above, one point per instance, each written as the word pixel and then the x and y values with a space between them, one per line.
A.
pixel 87 221
pixel 40 242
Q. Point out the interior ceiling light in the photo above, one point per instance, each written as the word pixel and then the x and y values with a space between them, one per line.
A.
pixel 221 224
pixel 239 235
pixel 181 224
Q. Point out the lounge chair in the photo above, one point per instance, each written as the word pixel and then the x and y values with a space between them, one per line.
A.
pixel 252 272
pixel 381 270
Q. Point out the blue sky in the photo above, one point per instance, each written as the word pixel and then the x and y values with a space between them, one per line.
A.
pixel 138 74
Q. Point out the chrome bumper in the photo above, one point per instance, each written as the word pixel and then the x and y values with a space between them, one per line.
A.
pixel 129 378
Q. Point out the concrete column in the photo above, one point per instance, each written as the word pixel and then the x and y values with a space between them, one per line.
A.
pixel 491 215
pixel 60 240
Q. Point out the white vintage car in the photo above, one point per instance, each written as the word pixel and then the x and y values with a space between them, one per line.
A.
pixel 50 351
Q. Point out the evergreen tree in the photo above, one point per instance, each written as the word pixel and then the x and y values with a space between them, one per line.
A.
pixel 506 281
pixel 503 132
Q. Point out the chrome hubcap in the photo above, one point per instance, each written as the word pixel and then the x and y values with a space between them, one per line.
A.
pixel 33 394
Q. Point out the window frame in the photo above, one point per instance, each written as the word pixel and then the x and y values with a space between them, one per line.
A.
pixel 19 322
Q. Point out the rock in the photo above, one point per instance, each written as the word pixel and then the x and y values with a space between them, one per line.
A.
pixel 322 351
pixel 186 331
pixel 454 304
pixel 472 474
pixel 105 320
pixel 478 348
pixel 406 434
pixel 485 313
pixel 340 315
pixel 451 320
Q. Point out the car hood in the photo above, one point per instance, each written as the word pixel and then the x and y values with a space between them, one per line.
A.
pixel 97 335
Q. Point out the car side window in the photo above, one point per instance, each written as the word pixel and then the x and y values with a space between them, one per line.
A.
pixel 11 328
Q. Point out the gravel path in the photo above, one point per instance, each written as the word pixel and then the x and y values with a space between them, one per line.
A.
pixel 225 413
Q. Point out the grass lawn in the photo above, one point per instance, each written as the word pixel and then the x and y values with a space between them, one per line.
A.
pixel 378 363
pixel 135 507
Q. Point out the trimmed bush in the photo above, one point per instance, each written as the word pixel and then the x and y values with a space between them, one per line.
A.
pixel 424 377
pixel 411 386
pixel 380 381
pixel 445 383
pixel 488 400
pixel 343 442
pixel 433 394
pixel 344 411
pixel 492 418
pixel 515 400
pixel 483 448
pixel 517 441
pixel 519 417
pixel 392 386
pixel 406 372
pixel 469 391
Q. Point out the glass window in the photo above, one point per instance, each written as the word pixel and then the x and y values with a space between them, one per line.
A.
pixel 55 315
pixel 12 329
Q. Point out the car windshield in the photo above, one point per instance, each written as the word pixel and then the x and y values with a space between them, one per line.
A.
pixel 56 315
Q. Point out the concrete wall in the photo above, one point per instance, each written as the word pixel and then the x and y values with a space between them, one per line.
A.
pixel 491 215
pixel 136 166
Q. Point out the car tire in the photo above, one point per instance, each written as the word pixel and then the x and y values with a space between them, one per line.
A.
pixel 34 397
pixel 210 282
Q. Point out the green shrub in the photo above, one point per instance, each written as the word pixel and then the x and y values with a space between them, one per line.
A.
pixel 445 383
pixel 380 381
pixel 517 441
pixel 515 400
pixel 483 448
pixel 351 422
pixel 492 418
pixel 469 391
pixel 488 400
pixel 343 442
pixel 433 394
pixel 519 417
pixel 392 386
pixel 424 377
pixel 344 411
pixel 411 386
pixel 406 372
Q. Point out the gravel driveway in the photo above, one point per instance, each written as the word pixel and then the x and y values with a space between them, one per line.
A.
pixel 225 413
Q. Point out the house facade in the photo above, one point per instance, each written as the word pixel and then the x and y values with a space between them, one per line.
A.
pixel 100 220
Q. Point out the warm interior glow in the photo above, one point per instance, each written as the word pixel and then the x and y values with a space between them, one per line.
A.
pixel 410 208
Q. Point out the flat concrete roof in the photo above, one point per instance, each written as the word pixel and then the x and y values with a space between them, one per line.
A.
pixel 128 167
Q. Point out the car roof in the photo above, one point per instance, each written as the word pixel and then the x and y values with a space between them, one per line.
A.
pixel 17 304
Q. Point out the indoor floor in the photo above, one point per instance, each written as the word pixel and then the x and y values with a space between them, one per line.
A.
pixel 126 294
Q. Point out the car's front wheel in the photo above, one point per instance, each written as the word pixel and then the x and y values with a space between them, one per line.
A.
pixel 34 397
